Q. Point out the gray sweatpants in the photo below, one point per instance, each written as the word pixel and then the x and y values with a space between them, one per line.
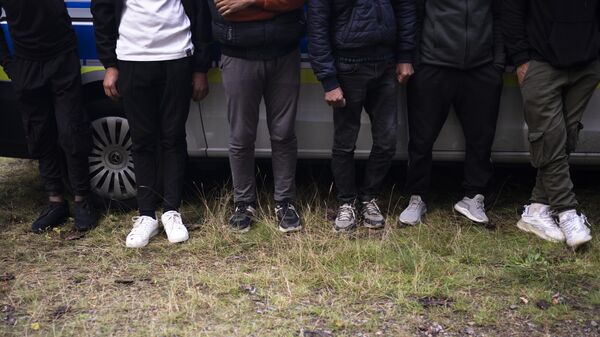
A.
pixel 246 83
pixel 554 102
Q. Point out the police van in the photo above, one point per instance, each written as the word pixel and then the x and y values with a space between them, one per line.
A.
pixel 111 164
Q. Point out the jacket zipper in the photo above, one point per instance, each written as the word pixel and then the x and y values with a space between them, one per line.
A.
pixel 466 34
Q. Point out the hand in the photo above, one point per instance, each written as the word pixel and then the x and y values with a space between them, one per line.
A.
pixel 403 72
pixel 521 71
pixel 226 7
pixel 335 98
pixel 110 83
pixel 199 86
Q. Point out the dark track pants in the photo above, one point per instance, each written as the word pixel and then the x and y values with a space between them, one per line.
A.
pixel 554 101
pixel 475 96
pixel 50 98
pixel 372 86
pixel 156 97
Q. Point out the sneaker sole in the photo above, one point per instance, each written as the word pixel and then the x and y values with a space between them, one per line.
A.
pixel 468 214
pixel 369 225
pixel 240 231
pixel 153 234
pixel 407 223
pixel 187 237
pixel 290 230
pixel 526 227
pixel 579 242
pixel 344 230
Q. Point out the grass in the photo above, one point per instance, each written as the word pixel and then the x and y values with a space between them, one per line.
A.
pixel 394 282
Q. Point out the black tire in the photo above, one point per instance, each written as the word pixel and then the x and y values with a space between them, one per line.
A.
pixel 112 179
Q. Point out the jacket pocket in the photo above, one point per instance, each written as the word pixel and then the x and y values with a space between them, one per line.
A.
pixel 536 148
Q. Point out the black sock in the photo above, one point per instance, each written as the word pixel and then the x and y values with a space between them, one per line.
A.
pixel 151 214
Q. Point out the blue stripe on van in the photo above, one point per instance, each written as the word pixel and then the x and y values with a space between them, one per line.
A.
pixel 78 4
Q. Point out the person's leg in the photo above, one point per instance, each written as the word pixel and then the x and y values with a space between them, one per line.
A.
pixel 477 105
pixel 140 86
pixel 353 79
pixel 381 104
pixel 542 92
pixel 74 129
pixel 34 101
pixel 174 109
pixel 430 93
pixel 243 81
pixel 281 102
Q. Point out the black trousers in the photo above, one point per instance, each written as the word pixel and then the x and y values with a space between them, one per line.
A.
pixel 371 86
pixel 475 96
pixel 156 97
pixel 50 98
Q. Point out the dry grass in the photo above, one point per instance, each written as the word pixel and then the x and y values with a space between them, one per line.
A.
pixel 394 282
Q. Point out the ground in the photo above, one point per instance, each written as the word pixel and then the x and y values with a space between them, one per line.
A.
pixel 447 277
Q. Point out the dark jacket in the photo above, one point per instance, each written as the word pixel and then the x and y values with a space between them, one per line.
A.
pixel 564 33
pixel 358 31
pixel 258 40
pixel 107 18
pixel 461 34
pixel 40 30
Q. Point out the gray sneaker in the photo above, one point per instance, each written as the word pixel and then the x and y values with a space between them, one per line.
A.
pixel 575 227
pixel 372 217
pixel 345 221
pixel 413 213
pixel 473 209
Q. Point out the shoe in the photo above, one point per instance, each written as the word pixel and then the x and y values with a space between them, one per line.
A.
pixel 86 216
pixel 345 221
pixel 287 217
pixel 538 219
pixel 371 215
pixel 473 209
pixel 242 218
pixel 575 227
pixel 176 231
pixel 144 228
pixel 55 214
pixel 414 212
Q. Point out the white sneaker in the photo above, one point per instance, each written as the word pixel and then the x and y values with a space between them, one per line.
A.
pixel 414 212
pixel 176 231
pixel 575 228
pixel 473 209
pixel 144 228
pixel 537 219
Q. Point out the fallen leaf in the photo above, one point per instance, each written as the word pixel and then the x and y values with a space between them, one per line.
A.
pixel 35 326
pixel 430 301
pixel 523 300
pixel 542 304
pixel 124 281
pixel 60 311
pixel 72 235
pixel 7 277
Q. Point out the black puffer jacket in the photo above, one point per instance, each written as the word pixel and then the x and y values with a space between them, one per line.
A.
pixel 258 40
pixel 460 34
pixel 564 33
pixel 358 31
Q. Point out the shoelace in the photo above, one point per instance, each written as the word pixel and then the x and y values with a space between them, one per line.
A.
pixel 138 224
pixel 372 207
pixel 414 204
pixel 479 204
pixel 346 213
pixel 570 226
pixel 172 217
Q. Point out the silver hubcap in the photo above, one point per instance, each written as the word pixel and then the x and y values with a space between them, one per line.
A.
pixel 111 163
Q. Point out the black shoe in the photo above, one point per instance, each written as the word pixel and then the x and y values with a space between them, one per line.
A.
pixel 54 215
pixel 86 216
pixel 243 217
pixel 287 217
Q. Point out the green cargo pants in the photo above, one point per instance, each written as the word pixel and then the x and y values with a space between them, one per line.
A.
pixel 554 101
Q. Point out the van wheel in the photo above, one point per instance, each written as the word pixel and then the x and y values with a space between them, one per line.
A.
pixel 112 177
